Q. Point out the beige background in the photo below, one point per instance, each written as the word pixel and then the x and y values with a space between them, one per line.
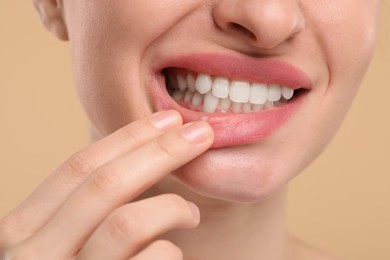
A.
pixel 341 203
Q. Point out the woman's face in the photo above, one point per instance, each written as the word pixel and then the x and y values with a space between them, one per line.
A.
pixel 131 56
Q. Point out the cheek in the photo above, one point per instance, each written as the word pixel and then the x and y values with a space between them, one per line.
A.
pixel 347 32
pixel 108 40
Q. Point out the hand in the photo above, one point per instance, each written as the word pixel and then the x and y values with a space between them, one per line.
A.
pixel 82 210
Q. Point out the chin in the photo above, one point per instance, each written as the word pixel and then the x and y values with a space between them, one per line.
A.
pixel 235 174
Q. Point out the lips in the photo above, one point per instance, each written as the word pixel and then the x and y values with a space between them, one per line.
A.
pixel 232 126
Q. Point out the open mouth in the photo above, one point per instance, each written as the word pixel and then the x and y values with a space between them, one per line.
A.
pixel 207 93
pixel 244 99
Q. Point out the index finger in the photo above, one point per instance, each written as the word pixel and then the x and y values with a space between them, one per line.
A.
pixel 35 211
pixel 118 182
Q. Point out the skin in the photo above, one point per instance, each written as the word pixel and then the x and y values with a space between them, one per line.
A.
pixel 112 195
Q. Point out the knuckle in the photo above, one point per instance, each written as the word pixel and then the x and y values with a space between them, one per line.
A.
pixel 130 136
pixel 78 167
pixel 166 148
pixel 104 182
pixel 125 227
pixel 171 251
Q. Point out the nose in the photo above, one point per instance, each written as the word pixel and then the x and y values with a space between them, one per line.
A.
pixel 261 23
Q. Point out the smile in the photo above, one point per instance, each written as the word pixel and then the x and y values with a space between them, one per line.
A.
pixel 244 99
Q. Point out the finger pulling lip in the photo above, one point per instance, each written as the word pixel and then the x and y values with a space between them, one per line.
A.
pixel 236 128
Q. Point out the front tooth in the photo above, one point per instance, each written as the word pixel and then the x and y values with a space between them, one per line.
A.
pixel 236 107
pixel 210 103
pixel 197 99
pixel 259 94
pixel 225 104
pixel 287 93
pixel 191 82
pixel 203 83
pixel 274 92
pixel 239 91
pixel 181 82
pixel 221 87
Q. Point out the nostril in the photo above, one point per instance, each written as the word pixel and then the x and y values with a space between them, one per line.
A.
pixel 242 29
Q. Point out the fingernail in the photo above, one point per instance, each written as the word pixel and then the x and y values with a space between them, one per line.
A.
pixel 165 119
pixel 194 209
pixel 196 132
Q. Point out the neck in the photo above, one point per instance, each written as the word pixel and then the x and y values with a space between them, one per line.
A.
pixel 235 230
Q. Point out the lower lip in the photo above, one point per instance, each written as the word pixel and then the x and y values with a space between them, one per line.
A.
pixel 231 129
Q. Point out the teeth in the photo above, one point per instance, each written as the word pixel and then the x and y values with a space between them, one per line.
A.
pixel 236 107
pixel 196 99
pixel 207 93
pixel 188 96
pixel 191 82
pixel 257 108
pixel 221 87
pixel 172 81
pixel 178 95
pixel 268 104
pixel 210 103
pixel 246 107
pixel 287 93
pixel 239 91
pixel 181 82
pixel 203 83
pixel 274 92
pixel 259 94
pixel 225 104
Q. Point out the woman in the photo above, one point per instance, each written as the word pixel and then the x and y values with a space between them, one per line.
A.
pixel 262 86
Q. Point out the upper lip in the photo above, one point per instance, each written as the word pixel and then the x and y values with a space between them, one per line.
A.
pixel 261 70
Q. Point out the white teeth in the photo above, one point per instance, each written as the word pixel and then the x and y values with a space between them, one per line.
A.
pixel 181 82
pixel 287 93
pixel 221 87
pixel 246 107
pixel 197 99
pixel 211 93
pixel 203 83
pixel 178 95
pixel 191 82
pixel 257 108
pixel 268 104
pixel 188 96
pixel 278 103
pixel 239 91
pixel 274 92
pixel 236 107
pixel 210 103
pixel 259 94
pixel 225 104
